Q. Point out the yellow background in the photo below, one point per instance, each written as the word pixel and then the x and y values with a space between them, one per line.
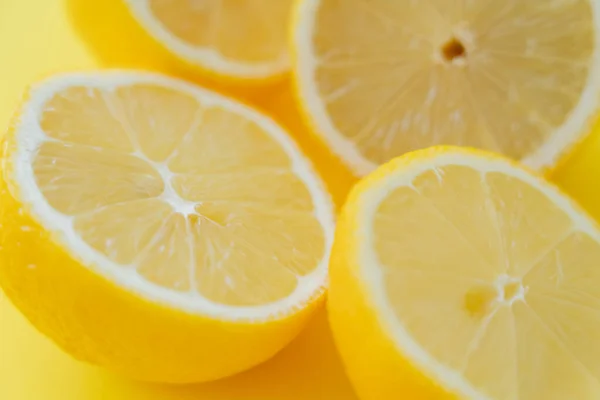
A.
pixel 42 37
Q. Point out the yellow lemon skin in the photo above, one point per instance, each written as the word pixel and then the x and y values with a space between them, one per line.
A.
pixel 97 321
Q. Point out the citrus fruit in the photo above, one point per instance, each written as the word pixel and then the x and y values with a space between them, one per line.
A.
pixel 239 40
pixel 159 229
pixel 378 79
pixel 458 274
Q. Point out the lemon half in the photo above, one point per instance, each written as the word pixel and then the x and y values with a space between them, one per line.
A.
pixel 159 229
pixel 236 40
pixel 457 274
pixel 377 79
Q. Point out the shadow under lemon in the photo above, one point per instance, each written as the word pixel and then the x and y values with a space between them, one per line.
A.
pixel 36 369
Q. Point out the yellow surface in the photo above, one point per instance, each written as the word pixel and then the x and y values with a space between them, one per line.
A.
pixel 37 38
pixel 41 37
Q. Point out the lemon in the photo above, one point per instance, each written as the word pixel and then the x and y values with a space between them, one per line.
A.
pixel 381 78
pixel 159 229
pixel 235 40
pixel 458 274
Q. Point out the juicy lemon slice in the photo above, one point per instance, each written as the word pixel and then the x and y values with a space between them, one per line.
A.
pixel 244 40
pixel 381 78
pixel 159 229
pixel 457 274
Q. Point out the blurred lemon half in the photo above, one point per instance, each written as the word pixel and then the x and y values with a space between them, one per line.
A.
pixel 381 78
pixel 238 40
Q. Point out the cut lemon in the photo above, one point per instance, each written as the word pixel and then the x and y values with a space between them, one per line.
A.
pixel 243 40
pixel 377 79
pixel 457 274
pixel 159 229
